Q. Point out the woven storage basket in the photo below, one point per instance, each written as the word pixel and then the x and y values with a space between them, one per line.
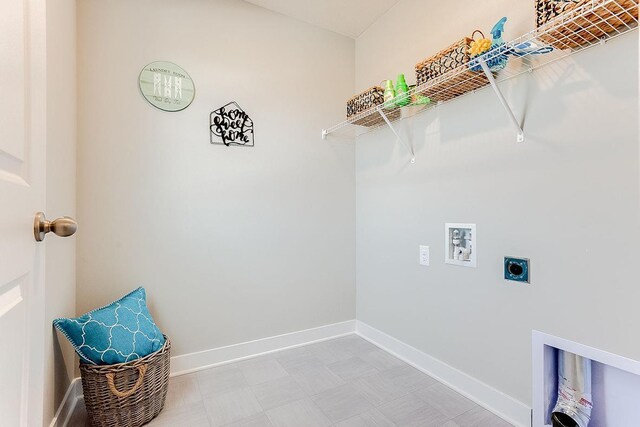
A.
pixel 452 61
pixel 603 17
pixel 126 394
pixel 363 101
pixel 370 98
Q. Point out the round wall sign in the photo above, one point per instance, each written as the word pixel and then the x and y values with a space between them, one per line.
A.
pixel 166 86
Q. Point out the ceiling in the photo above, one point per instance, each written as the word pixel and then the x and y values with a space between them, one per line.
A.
pixel 347 17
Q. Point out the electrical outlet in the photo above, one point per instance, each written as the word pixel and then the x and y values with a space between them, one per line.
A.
pixel 424 255
pixel 517 269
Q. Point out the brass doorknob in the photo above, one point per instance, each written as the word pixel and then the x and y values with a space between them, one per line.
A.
pixel 63 227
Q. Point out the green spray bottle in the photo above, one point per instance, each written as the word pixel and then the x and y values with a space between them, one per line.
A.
pixel 389 93
pixel 402 98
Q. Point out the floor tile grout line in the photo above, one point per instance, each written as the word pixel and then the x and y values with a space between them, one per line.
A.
pixel 469 410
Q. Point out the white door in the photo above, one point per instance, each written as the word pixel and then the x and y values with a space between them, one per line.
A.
pixel 22 186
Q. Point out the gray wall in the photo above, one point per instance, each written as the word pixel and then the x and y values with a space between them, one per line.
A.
pixel 568 199
pixel 60 257
pixel 232 243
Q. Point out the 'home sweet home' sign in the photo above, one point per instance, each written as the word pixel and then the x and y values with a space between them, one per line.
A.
pixel 231 125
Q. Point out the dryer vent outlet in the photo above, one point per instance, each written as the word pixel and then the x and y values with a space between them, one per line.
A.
pixel 517 269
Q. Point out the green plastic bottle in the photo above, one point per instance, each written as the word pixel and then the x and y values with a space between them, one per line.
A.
pixel 389 92
pixel 402 98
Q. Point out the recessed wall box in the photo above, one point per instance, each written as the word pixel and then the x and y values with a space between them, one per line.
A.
pixel 516 269
pixel 460 244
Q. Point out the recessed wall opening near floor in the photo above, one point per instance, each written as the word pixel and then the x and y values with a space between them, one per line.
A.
pixel 613 382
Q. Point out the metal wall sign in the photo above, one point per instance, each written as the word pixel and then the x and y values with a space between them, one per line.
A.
pixel 229 125
pixel 166 86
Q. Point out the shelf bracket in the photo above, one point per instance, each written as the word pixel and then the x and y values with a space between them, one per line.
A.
pixel 388 122
pixel 503 101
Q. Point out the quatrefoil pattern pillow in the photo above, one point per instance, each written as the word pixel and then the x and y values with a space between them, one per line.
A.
pixel 119 332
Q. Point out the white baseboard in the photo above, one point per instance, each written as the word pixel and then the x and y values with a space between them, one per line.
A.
pixel 68 404
pixel 192 362
pixel 506 407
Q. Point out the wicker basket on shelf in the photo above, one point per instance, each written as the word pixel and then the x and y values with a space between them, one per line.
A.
pixel 126 394
pixel 452 61
pixel 370 98
pixel 579 23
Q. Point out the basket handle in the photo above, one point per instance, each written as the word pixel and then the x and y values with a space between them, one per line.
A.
pixel 142 369
pixel 474 33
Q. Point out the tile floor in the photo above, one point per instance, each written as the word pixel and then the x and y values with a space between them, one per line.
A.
pixel 345 382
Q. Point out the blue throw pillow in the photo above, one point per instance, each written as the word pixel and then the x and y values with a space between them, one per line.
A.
pixel 119 332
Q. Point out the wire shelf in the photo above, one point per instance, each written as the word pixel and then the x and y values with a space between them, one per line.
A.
pixel 586 26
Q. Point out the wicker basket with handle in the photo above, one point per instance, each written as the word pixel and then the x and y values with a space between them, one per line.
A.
pixel 452 61
pixel 126 394
pixel 602 17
